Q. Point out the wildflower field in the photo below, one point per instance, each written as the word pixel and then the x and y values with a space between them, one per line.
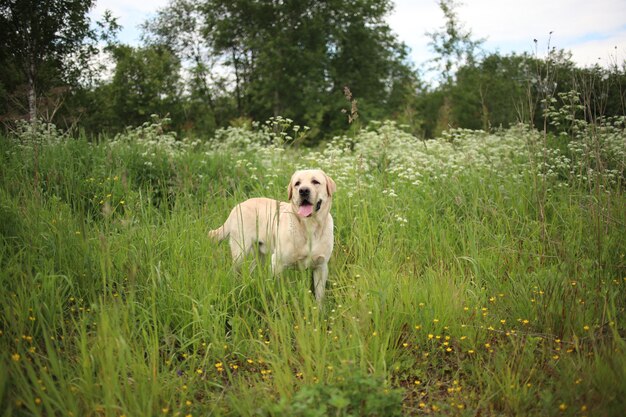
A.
pixel 477 274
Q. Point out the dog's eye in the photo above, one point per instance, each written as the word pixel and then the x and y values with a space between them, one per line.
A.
pixel 297 184
pixel 315 182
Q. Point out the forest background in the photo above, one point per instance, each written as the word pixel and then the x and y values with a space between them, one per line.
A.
pixel 216 63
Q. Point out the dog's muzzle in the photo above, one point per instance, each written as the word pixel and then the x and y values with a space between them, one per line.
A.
pixel 305 208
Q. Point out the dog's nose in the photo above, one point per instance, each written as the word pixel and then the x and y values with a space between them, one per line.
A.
pixel 304 192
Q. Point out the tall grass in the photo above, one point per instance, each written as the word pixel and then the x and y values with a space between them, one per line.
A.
pixel 449 294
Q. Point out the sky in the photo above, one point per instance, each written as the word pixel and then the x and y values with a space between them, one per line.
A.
pixel 594 31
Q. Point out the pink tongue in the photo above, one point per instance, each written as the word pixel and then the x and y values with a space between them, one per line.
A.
pixel 305 210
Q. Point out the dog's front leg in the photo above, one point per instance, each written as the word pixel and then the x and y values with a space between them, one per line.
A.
pixel 277 265
pixel 320 275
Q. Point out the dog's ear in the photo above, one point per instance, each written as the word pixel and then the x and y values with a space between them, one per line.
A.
pixel 290 190
pixel 331 187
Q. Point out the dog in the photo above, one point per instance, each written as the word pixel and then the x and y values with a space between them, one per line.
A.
pixel 298 233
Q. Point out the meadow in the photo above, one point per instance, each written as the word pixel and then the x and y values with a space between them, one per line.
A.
pixel 477 274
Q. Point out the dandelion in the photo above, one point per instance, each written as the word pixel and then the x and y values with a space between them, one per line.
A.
pixel 37 400
pixel 563 407
pixel 586 328
pixel 16 357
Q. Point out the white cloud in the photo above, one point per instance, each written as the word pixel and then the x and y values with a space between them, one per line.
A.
pixel 589 30
pixel 129 13
pixel 606 52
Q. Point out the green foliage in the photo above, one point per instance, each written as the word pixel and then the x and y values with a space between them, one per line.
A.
pixel 208 63
pixel 46 45
pixel 353 394
pixel 471 274
pixel 294 58
pixel 501 91
pixel 146 81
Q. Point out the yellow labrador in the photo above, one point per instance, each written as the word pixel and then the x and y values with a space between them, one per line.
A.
pixel 298 233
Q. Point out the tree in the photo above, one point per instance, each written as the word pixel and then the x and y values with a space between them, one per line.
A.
pixel 43 40
pixel 490 93
pixel 452 44
pixel 366 56
pixel 179 27
pixel 293 58
pixel 454 47
pixel 146 81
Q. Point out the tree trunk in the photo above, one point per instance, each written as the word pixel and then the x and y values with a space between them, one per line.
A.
pixel 32 94
pixel 237 81
pixel 486 124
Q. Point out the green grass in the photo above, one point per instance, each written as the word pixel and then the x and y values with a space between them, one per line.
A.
pixel 114 302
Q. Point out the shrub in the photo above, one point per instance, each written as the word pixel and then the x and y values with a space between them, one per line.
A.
pixel 352 394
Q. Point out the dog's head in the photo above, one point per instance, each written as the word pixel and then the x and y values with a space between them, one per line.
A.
pixel 311 191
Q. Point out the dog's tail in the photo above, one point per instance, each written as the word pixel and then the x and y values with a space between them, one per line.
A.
pixel 219 234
